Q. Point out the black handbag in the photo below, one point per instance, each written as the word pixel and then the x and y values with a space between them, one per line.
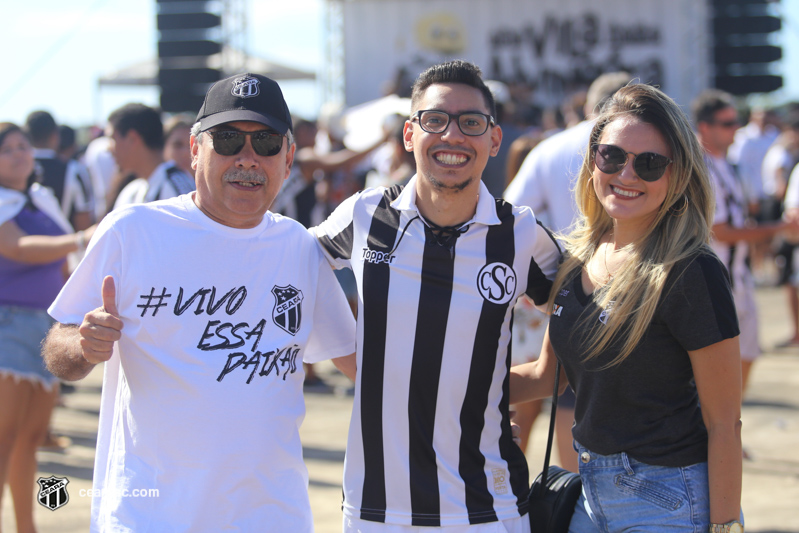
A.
pixel 555 491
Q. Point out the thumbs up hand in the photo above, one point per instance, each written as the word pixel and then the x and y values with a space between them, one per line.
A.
pixel 101 327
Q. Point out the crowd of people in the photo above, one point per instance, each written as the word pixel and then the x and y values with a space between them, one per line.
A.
pixel 627 247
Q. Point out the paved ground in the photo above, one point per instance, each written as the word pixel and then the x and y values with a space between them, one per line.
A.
pixel 770 433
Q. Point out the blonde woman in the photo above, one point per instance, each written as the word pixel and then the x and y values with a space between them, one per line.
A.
pixel 644 324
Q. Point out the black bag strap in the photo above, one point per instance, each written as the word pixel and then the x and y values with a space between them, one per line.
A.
pixel 545 471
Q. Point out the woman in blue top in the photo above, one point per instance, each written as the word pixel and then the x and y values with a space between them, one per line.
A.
pixel 643 321
pixel 35 239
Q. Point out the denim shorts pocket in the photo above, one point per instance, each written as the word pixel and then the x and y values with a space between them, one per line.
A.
pixel 652 492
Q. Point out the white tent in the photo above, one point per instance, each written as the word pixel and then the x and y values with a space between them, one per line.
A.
pixel 145 73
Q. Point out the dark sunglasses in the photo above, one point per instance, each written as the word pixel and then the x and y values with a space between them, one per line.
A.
pixel 230 142
pixel 648 166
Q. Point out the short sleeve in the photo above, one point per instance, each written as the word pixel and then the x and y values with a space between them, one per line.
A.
pixel 82 291
pixel 697 304
pixel 333 332
pixel 335 235
pixel 543 266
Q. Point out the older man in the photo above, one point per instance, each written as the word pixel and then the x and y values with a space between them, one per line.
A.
pixel 439 264
pixel 211 304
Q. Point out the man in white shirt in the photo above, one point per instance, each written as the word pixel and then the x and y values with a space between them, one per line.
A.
pixel 209 306
pixel 544 181
pixel 749 149
pixel 137 143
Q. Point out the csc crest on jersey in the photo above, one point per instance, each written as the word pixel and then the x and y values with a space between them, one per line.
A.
pixel 287 312
pixel 497 283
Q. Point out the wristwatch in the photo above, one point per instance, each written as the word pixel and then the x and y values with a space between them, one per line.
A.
pixel 729 527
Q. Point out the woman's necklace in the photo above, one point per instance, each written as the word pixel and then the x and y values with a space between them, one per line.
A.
pixel 608 274
pixel 603 278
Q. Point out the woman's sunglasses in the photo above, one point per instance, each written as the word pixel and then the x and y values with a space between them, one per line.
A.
pixel 649 166
pixel 230 142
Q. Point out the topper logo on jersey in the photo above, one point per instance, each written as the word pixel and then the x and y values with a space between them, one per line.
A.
pixel 373 256
pixel 497 283
pixel 287 313
pixel 246 87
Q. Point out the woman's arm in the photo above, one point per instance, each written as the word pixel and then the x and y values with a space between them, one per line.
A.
pixel 16 245
pixel 534 380
pixel 717 370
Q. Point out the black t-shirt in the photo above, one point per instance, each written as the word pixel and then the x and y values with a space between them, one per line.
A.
pixel 648 405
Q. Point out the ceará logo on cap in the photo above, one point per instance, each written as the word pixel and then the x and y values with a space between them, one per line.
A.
pixel 245 87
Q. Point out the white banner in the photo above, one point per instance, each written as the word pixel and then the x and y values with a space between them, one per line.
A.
pixel 553 46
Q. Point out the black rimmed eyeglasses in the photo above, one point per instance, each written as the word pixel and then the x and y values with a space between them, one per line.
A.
pixel 471 124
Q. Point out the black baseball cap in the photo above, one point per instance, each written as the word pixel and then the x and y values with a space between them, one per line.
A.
pixel 250 97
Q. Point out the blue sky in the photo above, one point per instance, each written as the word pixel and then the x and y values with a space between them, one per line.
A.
pixel 55 51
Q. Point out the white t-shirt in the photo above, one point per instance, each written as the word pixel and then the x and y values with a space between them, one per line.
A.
pixel 202 399
pixel 430 441
pixel 778 158
pixel 747 153
pixel 792 193
pixel 546 179
pixel 101 165
pixel 166 181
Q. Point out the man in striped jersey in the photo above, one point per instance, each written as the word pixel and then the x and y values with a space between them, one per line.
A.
pixel 439 264
pixel 716 120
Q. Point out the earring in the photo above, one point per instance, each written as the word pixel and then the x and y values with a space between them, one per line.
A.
pixel 681 211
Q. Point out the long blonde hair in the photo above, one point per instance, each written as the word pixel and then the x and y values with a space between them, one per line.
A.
pixel 681 227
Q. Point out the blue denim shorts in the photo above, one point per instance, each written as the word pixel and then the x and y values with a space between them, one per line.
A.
pixel 22 331
pixel 621 494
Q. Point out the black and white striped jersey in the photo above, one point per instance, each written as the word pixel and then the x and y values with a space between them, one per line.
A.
pixel 430 441
pixel 731 208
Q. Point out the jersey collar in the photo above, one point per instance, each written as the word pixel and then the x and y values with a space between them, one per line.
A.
pixel 486 212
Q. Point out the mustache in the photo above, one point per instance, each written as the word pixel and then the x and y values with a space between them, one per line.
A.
pixel 244 176
pixel 465 150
